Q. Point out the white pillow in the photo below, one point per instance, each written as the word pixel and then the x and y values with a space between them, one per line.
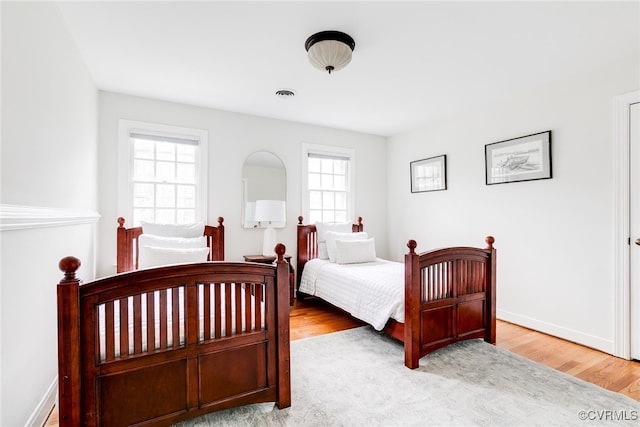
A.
pixel 355 251
pixel 151 256
pixel 322 250
pixel 332 236
pixel 173 230
pixel 321 234
pixel 171 242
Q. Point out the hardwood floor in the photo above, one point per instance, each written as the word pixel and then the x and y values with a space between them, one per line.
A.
pixel 612 373
pixel 314 317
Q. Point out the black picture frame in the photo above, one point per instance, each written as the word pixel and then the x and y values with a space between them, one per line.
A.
pixel 429 174
pixel 526 158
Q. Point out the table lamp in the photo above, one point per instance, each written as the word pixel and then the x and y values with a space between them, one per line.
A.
pixel 268 212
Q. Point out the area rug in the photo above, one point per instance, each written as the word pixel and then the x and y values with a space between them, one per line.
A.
pixel 357 378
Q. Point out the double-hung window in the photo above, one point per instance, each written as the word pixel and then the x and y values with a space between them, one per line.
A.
pixel 163 178
pixel 328 193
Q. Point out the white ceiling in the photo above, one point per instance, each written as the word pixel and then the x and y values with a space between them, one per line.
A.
pixel 414 62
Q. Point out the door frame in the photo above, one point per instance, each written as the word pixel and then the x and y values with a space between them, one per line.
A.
pixel 622 321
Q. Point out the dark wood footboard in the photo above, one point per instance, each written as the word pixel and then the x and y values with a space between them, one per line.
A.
pixel 450 295
pixel 162 345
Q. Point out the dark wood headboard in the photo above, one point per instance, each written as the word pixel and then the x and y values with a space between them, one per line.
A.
pixel 308 243
pixel 127 244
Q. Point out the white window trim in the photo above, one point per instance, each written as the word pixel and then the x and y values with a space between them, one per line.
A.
pixel 125 162
pixel 327 150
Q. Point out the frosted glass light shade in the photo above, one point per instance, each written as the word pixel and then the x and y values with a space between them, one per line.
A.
pixel 329 55
pixel 329 50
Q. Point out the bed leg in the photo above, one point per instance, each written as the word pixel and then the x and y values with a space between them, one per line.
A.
pixel 69 344
pixel 284 362
pixel 491 295
pixel 411 307
pixel 301 296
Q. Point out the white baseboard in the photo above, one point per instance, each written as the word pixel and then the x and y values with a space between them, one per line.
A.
pixel 42 411
pixel 578 337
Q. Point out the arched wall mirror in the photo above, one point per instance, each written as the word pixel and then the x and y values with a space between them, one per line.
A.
pixel 264 184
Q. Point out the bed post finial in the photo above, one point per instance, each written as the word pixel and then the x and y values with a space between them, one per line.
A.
pixel 489 241
pixel 69 265
pixel 121 222
pixel 280 249
pixel 357 227
pixel 300 220
pixel 412 245
pixel 220 221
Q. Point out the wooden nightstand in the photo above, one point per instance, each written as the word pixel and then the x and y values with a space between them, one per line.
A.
pixel 269 260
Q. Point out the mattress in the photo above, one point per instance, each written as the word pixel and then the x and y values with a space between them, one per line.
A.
pixel 372 291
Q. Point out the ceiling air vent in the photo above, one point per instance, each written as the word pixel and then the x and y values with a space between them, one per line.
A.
pixel 285 93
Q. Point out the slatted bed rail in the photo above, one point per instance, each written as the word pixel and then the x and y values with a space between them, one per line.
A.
pixel 129 326
pixel 161 345
pixel 245 315
pixel 450 295
pixel 155 320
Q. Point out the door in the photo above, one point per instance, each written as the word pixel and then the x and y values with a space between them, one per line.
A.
pixel 634 228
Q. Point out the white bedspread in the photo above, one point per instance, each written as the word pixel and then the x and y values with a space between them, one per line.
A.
pixel 370 291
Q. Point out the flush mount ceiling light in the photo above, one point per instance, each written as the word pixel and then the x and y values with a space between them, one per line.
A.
pixel 330 50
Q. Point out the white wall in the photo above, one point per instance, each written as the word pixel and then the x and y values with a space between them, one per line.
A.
pixel 233 137
pixel 554 237
pixel 49 120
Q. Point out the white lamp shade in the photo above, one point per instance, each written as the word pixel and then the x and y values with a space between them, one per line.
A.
pixel 270 211
pixel 329 53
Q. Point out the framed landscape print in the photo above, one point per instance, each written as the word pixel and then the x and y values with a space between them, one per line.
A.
pixel 429 174
pixel 519 159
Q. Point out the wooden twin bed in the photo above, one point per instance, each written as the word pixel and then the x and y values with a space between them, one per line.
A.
pixel 449 294
pixel 161 345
